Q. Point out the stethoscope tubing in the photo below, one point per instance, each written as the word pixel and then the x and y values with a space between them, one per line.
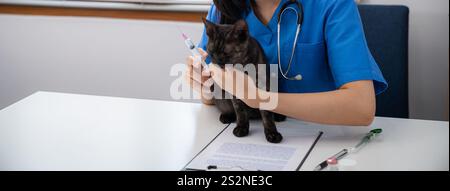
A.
pixel 299 24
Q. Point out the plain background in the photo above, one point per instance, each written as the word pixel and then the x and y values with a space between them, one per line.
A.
pixel 132 58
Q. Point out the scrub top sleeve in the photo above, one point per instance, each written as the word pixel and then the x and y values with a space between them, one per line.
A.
pixel 213 16
pixel 348 54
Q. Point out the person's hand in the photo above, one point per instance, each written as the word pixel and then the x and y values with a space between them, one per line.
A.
pixel 244 89
pixel 198 77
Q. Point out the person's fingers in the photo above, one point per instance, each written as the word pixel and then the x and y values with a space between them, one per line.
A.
pixel 196 86
pixel 225 77
pixel 206 73
pixel 187 79
pixel 194 63
pixel 212 67
pixel 189 61
pixel 190 81
pixel 203 53
pixel 197 62
pixel 216 74
pixel 197 78
pixel 207 84
pixel 193 68
pixel 193 75
pixel 189 67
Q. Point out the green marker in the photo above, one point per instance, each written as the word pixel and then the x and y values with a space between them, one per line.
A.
pixel 369 136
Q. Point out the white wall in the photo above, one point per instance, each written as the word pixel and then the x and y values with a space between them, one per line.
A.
pixel 112 57
pixel 428 57
pixel 123 58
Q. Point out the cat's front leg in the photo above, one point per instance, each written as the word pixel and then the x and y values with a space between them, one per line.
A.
pixel 279 117
pixel 242 120
pixel 270 130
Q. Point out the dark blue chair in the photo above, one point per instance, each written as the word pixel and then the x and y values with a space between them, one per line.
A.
pixel 386 29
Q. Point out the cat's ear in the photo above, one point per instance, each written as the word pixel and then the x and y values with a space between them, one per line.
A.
pixel 210 27
pixel 241 30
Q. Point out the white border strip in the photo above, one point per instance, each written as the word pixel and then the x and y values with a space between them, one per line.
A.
pixel 110 5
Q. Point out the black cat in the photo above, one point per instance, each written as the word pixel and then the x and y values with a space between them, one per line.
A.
pixel 232 44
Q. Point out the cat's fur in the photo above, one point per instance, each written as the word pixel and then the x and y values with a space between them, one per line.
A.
pixel 232 44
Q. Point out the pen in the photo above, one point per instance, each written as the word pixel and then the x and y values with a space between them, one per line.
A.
pixel 215 167
pixel 309 151
pixel 369 136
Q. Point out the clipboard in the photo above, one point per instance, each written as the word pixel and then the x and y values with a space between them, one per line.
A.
pixel 224 143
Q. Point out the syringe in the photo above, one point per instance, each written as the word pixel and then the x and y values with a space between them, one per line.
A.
pixel 193 49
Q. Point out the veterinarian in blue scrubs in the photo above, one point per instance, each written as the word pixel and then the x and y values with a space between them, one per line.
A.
pixel 340 78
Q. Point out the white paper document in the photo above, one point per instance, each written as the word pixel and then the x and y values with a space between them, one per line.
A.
pixel 253 152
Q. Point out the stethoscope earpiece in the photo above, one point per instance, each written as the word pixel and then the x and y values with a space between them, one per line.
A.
pixel 298 77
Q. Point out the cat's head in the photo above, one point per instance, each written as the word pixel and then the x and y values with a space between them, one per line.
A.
pixel 227 44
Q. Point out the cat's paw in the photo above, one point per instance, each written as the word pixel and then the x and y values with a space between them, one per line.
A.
pixel 226 118
pixel 279 117
pixel 240 131
pixel 273 137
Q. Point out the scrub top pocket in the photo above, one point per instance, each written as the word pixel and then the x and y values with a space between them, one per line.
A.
pixel 310 60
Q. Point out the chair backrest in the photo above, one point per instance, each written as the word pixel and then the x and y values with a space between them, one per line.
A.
pixel 386 29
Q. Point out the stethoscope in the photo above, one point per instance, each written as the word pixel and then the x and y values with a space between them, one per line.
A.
pixel 283 9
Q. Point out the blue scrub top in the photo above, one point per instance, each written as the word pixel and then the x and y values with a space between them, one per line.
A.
pixel 331 50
